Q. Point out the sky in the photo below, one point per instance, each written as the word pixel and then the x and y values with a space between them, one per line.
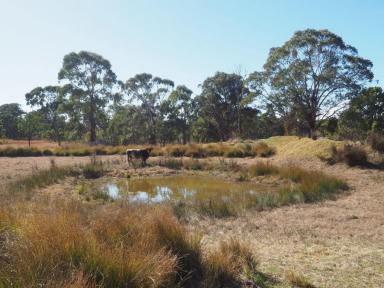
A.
pixel 185 41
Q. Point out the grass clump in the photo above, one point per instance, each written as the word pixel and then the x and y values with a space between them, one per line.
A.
pixel 262 169
pixel 352 155
pixel 20 152
pixel 61 246
pixel 175 164
pixel 262 149
pixel 298 280
pixel 376 141
pixel 93 171
pixel 233 264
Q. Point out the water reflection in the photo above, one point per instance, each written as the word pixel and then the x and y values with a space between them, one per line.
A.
pixel 161 189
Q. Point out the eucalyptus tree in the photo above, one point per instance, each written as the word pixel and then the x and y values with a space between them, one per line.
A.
pixel 30 125
pixel 221 102
pixel 149 92
pixel 49 100
pixel 179 110
pixel 10 114
pixel 313 74
pixel 365 114
pixel 92 81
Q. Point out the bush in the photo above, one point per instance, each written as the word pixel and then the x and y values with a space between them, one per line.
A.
pixel 352 155
pixel 93 171
pixel 261 169
pixel 263 150
pixel 195 151
pixel 20 152
pixel 171 163
pixel 176 150
pixel 376 141
pixel 233 265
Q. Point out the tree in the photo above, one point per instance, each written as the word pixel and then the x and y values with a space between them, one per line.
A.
pixel 92 81
pixel 313 74
pixel 49 100
pixel 179 110
pixel 30 125
pixel 221 102
pixel 365 114
pixel 127 126
pixel 150 92
pixel 10 114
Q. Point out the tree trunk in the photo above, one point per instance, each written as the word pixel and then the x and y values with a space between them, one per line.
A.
pixel 92 123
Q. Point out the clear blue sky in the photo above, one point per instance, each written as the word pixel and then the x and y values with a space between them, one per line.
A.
pixel 185 41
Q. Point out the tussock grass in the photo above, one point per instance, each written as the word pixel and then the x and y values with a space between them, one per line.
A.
pixel 65 246
pixel 352 155
pixel 298 280
pixel 232 264
pixel 225 149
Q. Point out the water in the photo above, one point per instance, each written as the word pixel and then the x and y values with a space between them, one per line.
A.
pixel 171 188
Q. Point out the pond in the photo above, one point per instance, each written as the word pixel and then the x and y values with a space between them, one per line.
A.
pixel 180 187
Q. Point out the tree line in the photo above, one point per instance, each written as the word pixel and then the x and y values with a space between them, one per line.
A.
pixel 313 85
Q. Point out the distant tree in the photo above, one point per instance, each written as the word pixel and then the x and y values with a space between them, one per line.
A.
pixel 49 101
pixel 149 92
pixel 179 112
pixel 10 114
pixel 30 125
pixel 365 114
pixel 221 102
pixel 313 73
pixel 127 126
pixel 92 81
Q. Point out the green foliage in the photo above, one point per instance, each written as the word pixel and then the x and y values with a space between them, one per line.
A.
pixel 364 115
pixel 10 115
pixel 30 125
pixel 149 92
pixel 221 102
pixel 310 76
pixel 91 81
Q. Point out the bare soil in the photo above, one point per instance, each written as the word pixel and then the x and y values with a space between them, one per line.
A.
pixel 337 243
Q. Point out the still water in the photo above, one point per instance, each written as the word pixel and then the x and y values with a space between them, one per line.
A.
pixel 169 188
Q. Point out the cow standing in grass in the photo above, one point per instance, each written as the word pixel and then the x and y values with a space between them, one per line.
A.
pixel 142 154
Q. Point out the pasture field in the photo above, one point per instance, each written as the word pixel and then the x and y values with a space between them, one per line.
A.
pixel 313 225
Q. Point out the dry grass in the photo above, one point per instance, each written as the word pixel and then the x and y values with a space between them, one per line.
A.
pixel 288 146
pixel 352 155
pixel 67 246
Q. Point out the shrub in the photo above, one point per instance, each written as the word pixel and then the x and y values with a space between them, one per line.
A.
pixel 352 155
pixel 176 150
pixel 171 163
pixel 20 152
pixel 376 141
pixel 93 170
pixel 233 265
pixel 195 151
pixel 262 168
pixel 47 152
pixel 263 150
